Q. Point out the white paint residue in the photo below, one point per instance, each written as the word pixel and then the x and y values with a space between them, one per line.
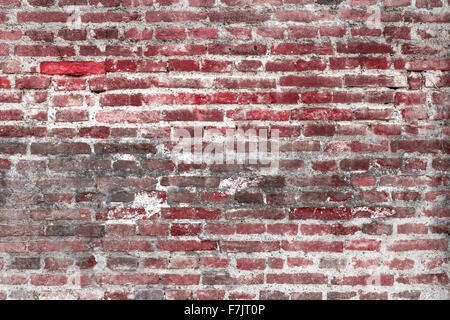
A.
pixel 123 214
pixel 150 201
pixel 236 183
pixel 374 213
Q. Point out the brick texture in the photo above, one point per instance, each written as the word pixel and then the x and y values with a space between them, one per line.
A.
pixel 93 205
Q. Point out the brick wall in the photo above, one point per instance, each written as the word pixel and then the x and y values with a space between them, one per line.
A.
pixel 96 205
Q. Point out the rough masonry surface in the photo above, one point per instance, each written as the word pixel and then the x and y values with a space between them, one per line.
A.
pixel 94 204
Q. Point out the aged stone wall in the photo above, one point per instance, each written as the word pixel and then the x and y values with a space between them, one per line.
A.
pixel 97 203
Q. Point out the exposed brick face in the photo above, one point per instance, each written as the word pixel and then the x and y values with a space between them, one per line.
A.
pixel 93 204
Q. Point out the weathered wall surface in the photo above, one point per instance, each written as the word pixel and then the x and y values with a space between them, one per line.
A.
pixel 95 205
